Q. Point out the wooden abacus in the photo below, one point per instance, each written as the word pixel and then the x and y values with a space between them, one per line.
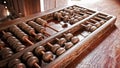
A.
pixel 85 27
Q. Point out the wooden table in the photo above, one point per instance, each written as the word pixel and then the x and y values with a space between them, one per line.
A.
pixel 104 54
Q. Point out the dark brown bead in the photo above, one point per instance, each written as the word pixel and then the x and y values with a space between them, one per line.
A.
pixel 48 56
pixel 60 51
pixel 32 60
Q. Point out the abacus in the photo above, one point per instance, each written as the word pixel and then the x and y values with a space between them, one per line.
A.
pixel 51 39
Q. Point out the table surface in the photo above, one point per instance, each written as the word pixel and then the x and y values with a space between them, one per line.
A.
pixel 106 53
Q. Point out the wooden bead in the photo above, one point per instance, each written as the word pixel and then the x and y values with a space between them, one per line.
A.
pixel 65 19
pixel 39 36
pixel 27 55
pixel 7 54
pixel 8 34
pixel 2 44
pixel 61 41
pixel 55 47
pixel 48 56
pixel 68 45
pixel 88 27
pixel 71 20
pixel 80 18
pixel 18 32
pixel 93 28
pixel 39 49
pixel 75 20
pixel 75 40
pixel 17 44
pixel 60 51
pixel 97 24
pixel 76 16
pixel 26 28
pixel 20 48
pixel 85 15
pixel 58 15
pixel 102 22
pixel 32 60
pixel 13 62
pixel 41 21
pixel 6 49
pixel 68 36
pixel 19 65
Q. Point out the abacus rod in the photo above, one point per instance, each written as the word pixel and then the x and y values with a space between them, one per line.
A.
pixel 52 28
pixel 42 52
pixel 51 59
pixel 33 33
pixel 99 19
pixel 26 39
pixel 49 44
pixel 89 22
pixel 3 32
pixel 57 39
pixel 102 16
pixel 83 25
pixel 36 65
pixel 46 33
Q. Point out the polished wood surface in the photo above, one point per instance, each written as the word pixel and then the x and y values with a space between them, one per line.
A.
pixel 106 54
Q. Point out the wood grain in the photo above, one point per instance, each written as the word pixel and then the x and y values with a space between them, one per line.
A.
pixel 107 53
pixel 104 53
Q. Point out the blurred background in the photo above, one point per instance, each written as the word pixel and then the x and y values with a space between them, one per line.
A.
pixel 12 9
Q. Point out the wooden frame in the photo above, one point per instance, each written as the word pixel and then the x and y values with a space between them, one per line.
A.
pixel 71 54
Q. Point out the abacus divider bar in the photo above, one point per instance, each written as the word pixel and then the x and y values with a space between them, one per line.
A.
pixel 27 40
pixel 36 65
pixel 52 28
